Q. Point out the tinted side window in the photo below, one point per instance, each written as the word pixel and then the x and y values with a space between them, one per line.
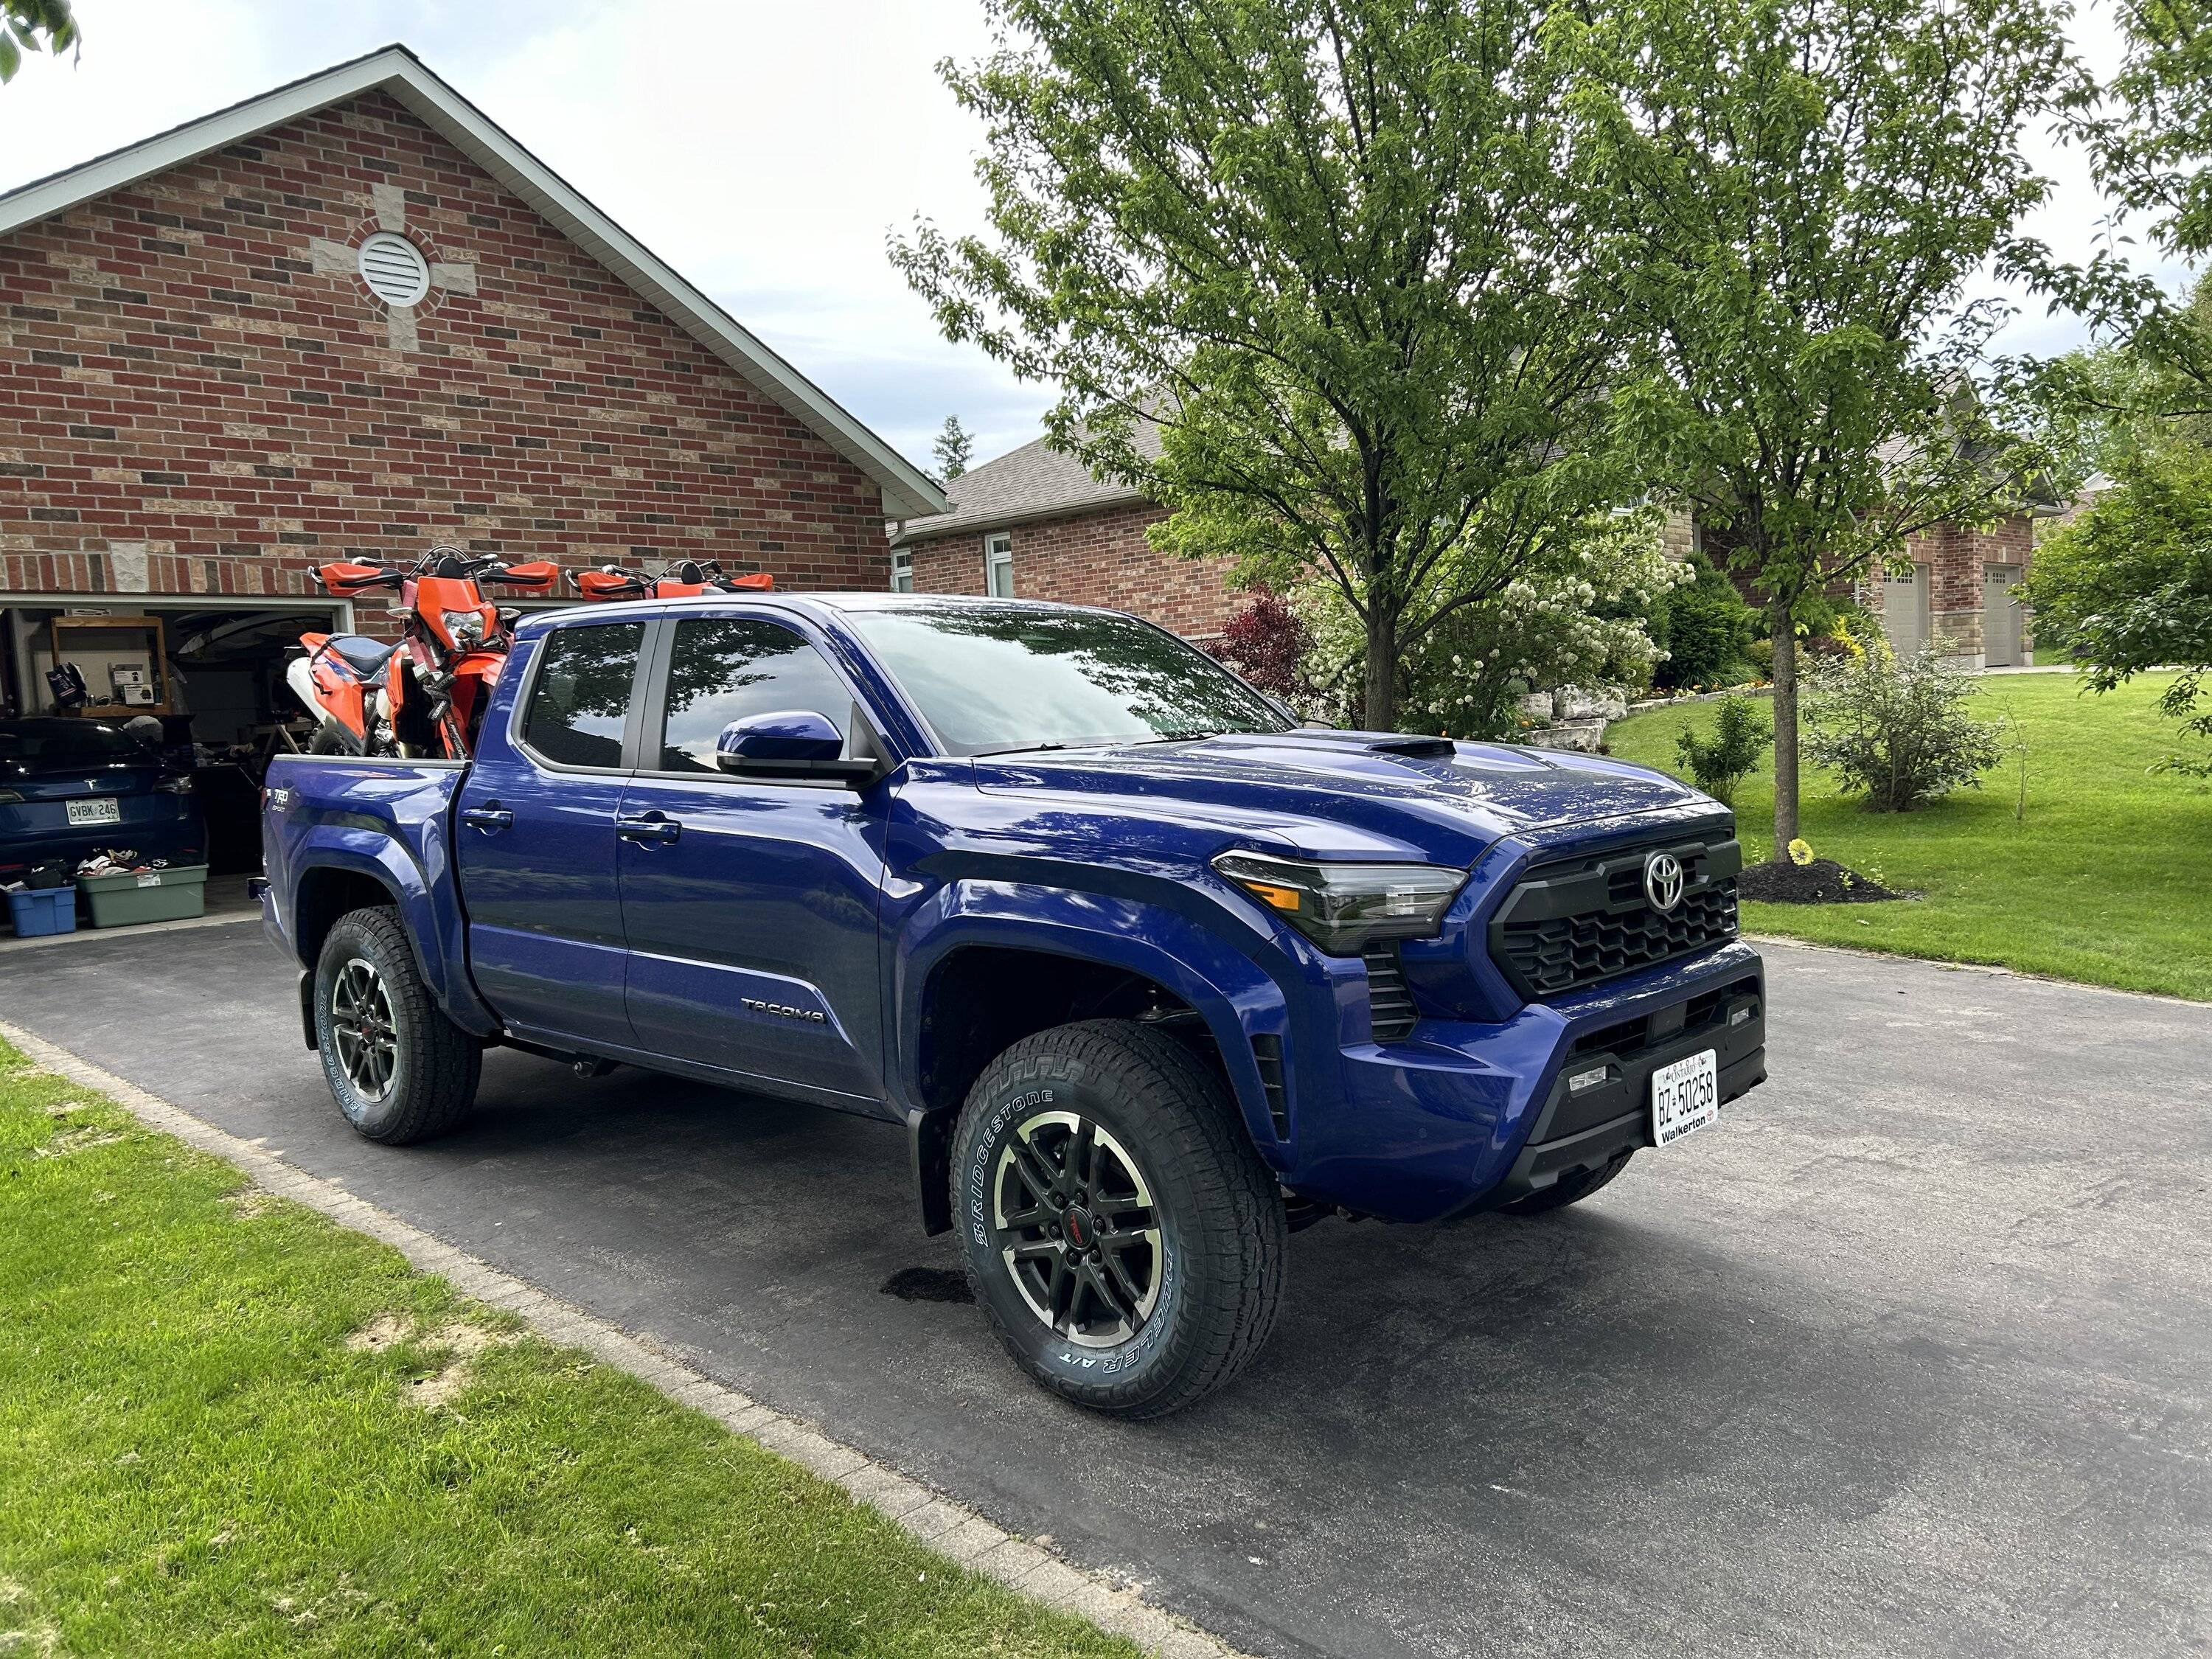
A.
pixel 581 698
pixel 724 668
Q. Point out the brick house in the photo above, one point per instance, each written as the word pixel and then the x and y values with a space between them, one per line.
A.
pixel 1035 524
pixel 353 317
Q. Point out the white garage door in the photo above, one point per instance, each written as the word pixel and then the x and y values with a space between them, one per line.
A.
pixel 1905 611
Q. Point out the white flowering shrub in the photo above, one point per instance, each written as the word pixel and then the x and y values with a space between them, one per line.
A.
pixel 1578 618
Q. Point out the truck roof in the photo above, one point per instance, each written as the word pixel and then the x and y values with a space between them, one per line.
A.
pixel 814 604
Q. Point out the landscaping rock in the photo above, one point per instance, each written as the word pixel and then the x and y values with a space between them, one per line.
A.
pixel 1580 737
pixel 1582 702
pixel 1823 881
pixel 1536 706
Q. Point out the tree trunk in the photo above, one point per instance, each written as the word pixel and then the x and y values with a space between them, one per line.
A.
pixel 1379 693
pixel 1785 732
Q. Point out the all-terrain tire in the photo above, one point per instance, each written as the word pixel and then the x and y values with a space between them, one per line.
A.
pixel 1567 1189
pixel 434 1065
pixel 1217 1271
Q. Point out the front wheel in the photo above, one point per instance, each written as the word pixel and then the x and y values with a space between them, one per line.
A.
pixel 1122 1235
pixel 399 1069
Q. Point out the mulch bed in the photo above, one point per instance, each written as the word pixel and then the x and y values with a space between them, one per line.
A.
pixel 1823 881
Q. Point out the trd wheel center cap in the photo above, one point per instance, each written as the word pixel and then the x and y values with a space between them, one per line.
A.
pixel 1082 1230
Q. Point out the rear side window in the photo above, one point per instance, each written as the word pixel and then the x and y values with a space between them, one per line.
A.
pixel 724 668
pixel 581 697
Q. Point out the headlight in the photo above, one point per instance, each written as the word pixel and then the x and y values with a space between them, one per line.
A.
pixel 465 626
pixel 1344 907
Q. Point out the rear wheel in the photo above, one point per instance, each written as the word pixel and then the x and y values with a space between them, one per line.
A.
pixel 1122 1235
pixel 1570 1188
pixel 399 1069
pixel 326 741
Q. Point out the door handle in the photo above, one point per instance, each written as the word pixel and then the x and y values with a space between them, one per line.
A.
pixel 489 819
pixel 648 829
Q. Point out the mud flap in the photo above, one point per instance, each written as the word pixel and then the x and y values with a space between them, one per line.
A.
pixel 929 1136
pixel 307 1007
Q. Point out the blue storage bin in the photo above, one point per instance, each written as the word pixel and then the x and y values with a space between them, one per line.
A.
pixel 43 911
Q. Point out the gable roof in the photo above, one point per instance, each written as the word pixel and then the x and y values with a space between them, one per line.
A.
pixel 1025 484
pixel 397 72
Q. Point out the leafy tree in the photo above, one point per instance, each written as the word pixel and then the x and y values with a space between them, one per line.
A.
pixel 953 448
pixel 1337 247
pixel 24 24
pixel 2128 586
pixel 1579 613
pixel 1807 187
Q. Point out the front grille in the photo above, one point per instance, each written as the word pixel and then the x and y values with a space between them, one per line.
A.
pixel 1390 1003
pixel 1571 925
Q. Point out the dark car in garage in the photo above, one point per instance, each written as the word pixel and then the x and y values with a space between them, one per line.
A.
pixel 71 786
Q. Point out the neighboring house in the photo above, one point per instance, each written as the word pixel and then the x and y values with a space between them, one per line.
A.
pixel 353 317
pixel 1035 524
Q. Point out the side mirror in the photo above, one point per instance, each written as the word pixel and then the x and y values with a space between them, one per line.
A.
pixel 789 744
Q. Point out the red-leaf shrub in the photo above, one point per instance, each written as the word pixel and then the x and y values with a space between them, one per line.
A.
pixel 1265 643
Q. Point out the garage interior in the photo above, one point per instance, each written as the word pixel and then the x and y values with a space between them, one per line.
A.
pixel 211 669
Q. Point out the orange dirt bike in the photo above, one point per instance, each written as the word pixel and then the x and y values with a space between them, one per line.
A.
pixel 425 696
pixel 685 580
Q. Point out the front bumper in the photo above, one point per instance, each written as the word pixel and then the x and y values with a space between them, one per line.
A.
pixel 1461 1117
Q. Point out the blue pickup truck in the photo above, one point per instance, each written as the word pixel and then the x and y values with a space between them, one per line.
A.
pixel 1151 973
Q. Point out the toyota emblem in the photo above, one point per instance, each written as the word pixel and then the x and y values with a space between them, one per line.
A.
pixel 1662 881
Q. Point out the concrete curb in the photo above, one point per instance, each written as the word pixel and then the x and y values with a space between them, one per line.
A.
pixel 952 1529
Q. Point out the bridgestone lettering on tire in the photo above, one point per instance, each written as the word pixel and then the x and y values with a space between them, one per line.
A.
pixel 399 1069
pixel 1123 1237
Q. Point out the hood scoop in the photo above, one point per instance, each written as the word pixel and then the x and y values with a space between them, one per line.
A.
pixel 1365 743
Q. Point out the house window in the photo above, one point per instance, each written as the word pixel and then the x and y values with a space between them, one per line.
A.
pixel 999 566
pixel 902 570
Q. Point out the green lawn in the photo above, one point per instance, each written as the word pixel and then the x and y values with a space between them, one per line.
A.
pixel 2109 879
pixel 195 1458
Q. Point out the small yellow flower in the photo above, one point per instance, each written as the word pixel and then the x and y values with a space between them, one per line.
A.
pixel 1800 852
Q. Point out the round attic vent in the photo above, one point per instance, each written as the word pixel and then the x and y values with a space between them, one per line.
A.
pixel 394 269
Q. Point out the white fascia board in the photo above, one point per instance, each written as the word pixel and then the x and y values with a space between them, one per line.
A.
pixel 906 490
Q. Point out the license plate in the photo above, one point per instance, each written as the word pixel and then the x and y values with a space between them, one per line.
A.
pixel 1685 1097
pixel 100 809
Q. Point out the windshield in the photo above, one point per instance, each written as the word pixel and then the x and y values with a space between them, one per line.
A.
pixel 33 747
pixel 992 679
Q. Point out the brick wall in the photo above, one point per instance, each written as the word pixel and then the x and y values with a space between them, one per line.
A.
pixel 1092 558
pixel 1954 558
pixel 199 395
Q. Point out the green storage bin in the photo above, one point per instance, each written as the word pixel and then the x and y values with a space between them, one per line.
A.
pixel 124 901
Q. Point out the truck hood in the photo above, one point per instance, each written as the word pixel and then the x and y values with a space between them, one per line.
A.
pixel 1347 794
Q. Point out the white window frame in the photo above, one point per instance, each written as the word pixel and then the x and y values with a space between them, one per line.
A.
pixel 998 554
pixel 902 570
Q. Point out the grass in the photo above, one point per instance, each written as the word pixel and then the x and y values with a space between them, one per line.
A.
pixel 2107 880
pixel 216 1436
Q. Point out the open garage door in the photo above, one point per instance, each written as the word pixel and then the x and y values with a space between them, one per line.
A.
pixel 211 668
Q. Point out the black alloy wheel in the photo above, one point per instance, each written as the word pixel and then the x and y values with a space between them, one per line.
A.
pixel 1073 1219
pixel 362 1029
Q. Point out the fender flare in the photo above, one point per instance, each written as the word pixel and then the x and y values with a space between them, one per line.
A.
pixel 1236 997
pixel 436 931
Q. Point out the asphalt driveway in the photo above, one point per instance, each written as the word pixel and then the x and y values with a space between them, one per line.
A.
pixel 1911 1354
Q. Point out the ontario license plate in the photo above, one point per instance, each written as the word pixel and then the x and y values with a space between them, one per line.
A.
pixel 100 809
pixel 1685 1097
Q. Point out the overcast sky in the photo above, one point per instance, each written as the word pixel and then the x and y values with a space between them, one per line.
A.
pixel 762 148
